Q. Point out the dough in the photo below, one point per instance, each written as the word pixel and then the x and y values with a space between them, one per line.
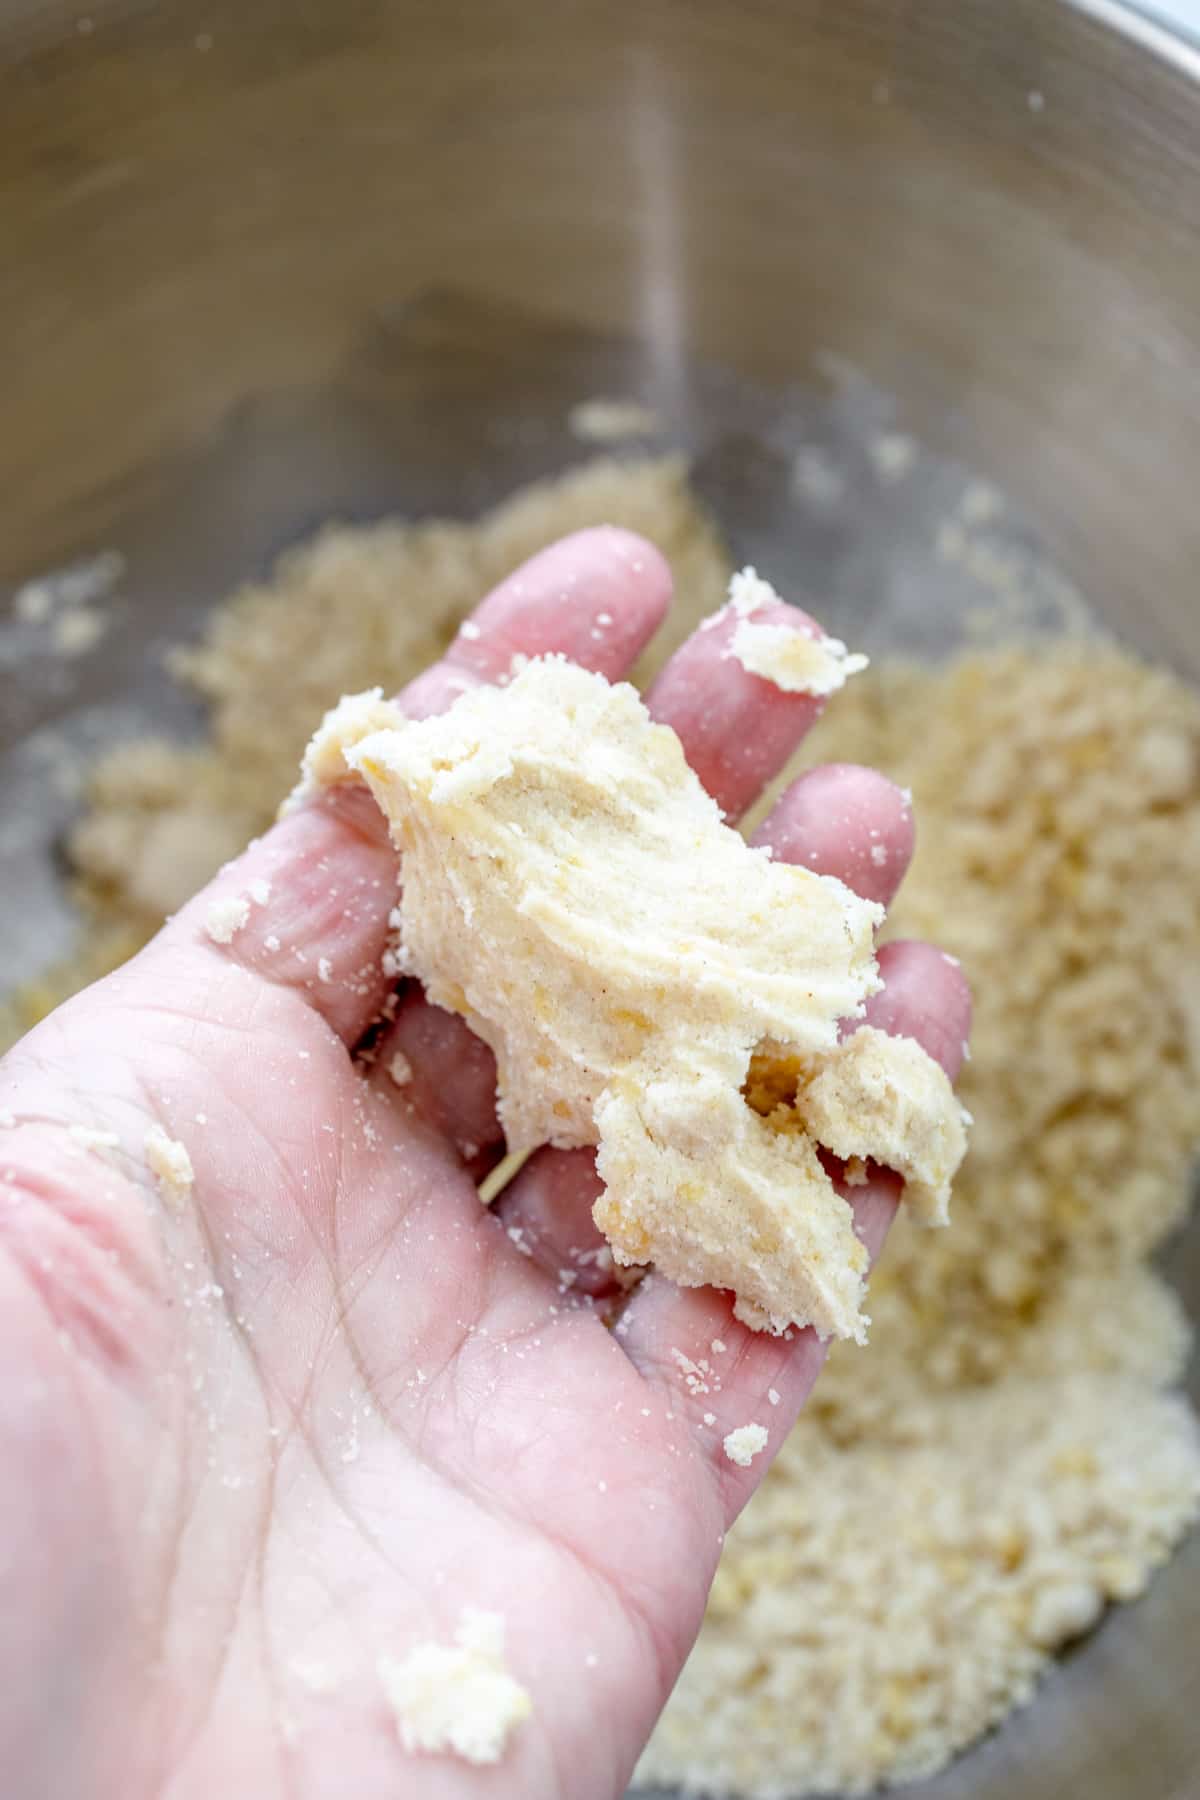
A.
pixel 573 892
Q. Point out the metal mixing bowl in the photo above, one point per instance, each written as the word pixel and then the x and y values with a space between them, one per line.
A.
pixel 264 262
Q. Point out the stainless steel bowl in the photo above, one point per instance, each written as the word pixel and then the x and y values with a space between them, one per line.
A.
pixel 263 263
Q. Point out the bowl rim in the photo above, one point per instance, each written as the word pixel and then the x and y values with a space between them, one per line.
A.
pixel 1172 42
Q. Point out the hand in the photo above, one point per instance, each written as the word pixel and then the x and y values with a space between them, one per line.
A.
pixel 251 1443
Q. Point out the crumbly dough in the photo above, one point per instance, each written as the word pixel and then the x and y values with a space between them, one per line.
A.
pixel 1013 1420
pixel 457 1697
pixel 793 659
pixel 168 1161
pixel 546 830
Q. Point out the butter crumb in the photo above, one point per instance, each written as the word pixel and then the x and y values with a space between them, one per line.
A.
pixel 400 1069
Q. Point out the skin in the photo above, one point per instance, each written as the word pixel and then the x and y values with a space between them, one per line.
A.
pixel 254 1440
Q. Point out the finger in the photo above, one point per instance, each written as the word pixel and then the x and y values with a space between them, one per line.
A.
pixel 847 821
pixel 547 1211
pixel 737 730
pixel 596 597
pixel 304 910
pixel 669 1332
pixel 429 1059
pixel 924 996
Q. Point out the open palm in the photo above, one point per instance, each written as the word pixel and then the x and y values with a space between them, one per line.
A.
pixel 256 1440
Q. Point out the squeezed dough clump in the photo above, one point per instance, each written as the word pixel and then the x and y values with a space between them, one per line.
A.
pixel 457 1697
pixel 571 889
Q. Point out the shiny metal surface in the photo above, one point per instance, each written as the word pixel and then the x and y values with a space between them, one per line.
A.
pixel 264 262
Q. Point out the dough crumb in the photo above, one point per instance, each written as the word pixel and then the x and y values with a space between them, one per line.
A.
pixel 260 892
pixel 459 1698
pixel 225 917
pixel 33 603
pixel 75 633
pixel 893 455
pixel 543 829
pixel 169 1163
pixel 1015 1421
pixel 790 657
pixel 400 1069
pixel 744 1444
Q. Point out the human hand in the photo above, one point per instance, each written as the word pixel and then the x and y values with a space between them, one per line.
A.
pixel 254 1442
